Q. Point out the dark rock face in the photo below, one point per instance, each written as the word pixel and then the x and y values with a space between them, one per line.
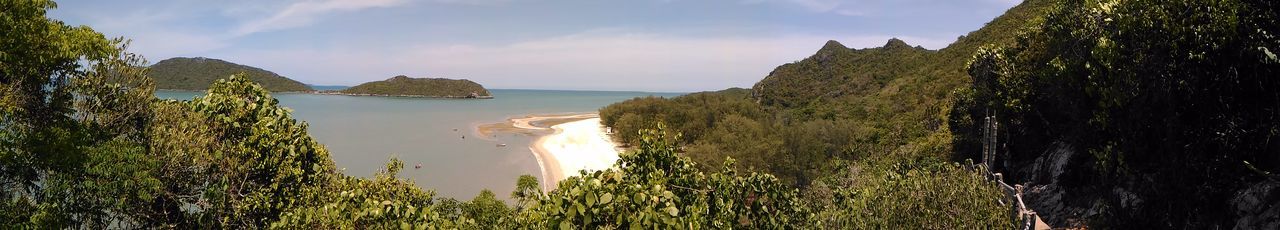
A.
pixel 1257 206
pixel 1044 194
pixel 1063 204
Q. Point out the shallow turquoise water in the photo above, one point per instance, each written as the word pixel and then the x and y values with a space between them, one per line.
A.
pixel 362 133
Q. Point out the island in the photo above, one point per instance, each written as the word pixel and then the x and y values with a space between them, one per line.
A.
pixel 197 73
pixel 403 86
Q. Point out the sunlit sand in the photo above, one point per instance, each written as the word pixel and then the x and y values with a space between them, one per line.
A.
pixel 572 143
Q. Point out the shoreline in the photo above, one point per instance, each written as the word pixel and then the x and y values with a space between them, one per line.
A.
pixel 531 125
pixel 329 92
pixel 566 143
pixel 334 93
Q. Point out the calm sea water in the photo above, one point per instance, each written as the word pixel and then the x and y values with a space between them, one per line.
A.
pixel 362 133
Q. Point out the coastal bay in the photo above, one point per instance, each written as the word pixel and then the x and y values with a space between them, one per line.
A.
pixel 362 133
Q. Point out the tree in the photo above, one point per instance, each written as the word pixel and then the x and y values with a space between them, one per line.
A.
pixel 73 106
pixel 488 211
pixel 269 160
pixel 527 192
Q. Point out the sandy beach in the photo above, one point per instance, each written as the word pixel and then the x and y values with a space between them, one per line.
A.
pixel 569 143
pixel 531 124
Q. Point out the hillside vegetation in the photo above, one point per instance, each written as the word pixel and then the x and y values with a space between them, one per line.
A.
pixel 836 71
pixel 198 73
pixel 1112 114
pixel 862 132
pixel 839 104
pixel 421 87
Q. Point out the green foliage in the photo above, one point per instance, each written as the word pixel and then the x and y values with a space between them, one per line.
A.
pixel 749 142
pixel 1164 99
pixel 527 192
pixel 488 211
pixel 694 114
pixel 385 202
pixel 918 195
pixel 118 170
pixel 188 151
pixel 420 87
pixel 70 116
pixel 198 73
pixel 656 188
pixel 270 160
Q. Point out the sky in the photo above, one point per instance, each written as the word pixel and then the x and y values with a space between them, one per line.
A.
pixel 632 45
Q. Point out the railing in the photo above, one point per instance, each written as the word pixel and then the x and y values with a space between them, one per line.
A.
pixel 1018 208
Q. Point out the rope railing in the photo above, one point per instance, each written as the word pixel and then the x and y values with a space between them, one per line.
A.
pixel 1013 193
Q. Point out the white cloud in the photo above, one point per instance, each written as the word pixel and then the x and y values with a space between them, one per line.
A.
pixel 159 43
pixel 148 37
pixel 305 13
pixel 603 59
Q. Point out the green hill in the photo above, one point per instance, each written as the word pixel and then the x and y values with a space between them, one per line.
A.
pixel 421 87
pixel 837 71
pixel 197 73
pixel 867 127
pixel 1132 114
pixel 892 98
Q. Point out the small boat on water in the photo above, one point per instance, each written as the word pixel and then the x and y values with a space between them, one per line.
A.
pixel 417 166
pixel 502 145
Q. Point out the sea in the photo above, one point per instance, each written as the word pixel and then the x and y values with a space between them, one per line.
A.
pixel 362 133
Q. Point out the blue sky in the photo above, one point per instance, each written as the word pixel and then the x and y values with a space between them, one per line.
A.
pixel 634 45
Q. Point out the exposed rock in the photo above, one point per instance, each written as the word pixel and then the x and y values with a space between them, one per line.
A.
pixel 1258 207
pixel 829 51
pixel 895 43
pixel 1044 195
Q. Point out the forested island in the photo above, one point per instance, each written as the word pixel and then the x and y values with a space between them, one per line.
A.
pixel 1136 114
pixel 403 86
pixel 197 73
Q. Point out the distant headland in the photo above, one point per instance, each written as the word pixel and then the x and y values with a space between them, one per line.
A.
pixel 403 86
pixel 197 73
